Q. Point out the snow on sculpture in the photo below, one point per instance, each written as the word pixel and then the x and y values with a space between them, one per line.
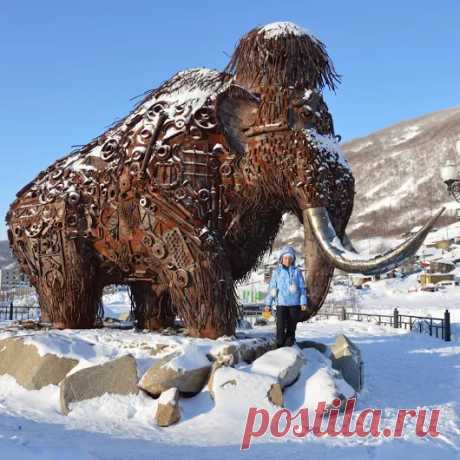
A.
pixel 182 198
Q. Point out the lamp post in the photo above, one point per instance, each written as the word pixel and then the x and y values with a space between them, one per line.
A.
pixel 450 176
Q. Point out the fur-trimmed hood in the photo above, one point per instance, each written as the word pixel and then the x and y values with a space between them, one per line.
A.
pixel 287 250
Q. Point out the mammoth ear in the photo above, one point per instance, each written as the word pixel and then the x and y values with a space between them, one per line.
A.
pixel 236 110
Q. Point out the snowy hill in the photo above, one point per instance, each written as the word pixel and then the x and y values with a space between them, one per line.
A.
pixel 397 173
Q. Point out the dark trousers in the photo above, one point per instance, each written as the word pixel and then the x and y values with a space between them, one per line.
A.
pixel 286 322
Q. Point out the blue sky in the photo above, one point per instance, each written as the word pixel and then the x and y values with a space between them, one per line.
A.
pixel 68 69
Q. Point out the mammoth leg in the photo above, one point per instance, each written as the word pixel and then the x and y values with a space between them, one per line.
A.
pixel 152 307
pixel 205 295
pixel 70 287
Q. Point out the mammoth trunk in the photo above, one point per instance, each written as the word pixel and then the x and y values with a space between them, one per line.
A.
pixel 318 271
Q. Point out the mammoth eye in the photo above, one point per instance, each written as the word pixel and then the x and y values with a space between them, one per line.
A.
pixel 300 118
pixel 307 110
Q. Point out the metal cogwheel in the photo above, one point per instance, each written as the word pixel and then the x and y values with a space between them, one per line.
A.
pixel 181 277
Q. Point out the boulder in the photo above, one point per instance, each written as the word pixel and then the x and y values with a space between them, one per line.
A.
pixel 303 344
pixel 326 385
pixel 228 353
pixel 284 364
pixel 275 395
pixel 220 361
pixel 114 377
pixel 187 370
pixel 242 350
pixel 168 410
pixel 237 389
pixel 156 348
pixel 248 352
pixel 346 358
pixel 30 369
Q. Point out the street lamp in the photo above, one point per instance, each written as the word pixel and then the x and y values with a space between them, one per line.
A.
pixel 450 177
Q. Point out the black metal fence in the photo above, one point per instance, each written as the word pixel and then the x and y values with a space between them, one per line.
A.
pixel 435 327
pixel 14 312
pixel 251 309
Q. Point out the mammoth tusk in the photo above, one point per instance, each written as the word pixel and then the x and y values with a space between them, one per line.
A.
pixel 352 262
pixel 347 244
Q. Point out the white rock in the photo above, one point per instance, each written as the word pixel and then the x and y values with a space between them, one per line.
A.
pixel 284 364
pixel 346 357
pixel 242 350
pixel 236 390
pixel 187 369
pixel 30 366
pixel 168 411
pixel 118 377
pixel 325 385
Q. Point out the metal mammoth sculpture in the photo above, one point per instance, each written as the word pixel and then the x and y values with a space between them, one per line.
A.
pixel 182 198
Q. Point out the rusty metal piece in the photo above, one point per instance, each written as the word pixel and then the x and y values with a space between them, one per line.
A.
pixel 109 149
pixel 205 118
pixel 156 110
pixel 73 198
pixel 163 151
pixel 144 202
pixel 226 169
pixel 159 250
pixel 178 248
pixel 180 193
pixel 182 278
pixel 204 195
pixel 167 174
pixel 34 230
pixel 156 132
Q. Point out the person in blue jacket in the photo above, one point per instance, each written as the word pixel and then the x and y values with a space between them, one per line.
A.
pixel 288 293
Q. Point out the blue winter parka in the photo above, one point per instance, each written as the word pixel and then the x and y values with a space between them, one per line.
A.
pixel 287 286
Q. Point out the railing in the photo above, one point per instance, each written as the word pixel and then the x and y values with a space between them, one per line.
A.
pixel 251 309
pixel 435 327
pixel 11 312
pixel 251 312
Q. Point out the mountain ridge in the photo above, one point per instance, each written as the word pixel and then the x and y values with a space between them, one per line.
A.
pixel 397 173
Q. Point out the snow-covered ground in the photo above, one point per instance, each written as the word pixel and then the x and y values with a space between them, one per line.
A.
pixel 405 294
pixel 401 370
pixel 116 304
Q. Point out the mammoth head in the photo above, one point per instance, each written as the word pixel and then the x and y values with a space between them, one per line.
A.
pixel 281 70
pixel 278 72
pixel 282 54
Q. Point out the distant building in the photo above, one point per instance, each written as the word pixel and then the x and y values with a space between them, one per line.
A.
pixel 441 244
pixel 435 278
pixel 12 278
pixel 441 266
pixel 359 281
